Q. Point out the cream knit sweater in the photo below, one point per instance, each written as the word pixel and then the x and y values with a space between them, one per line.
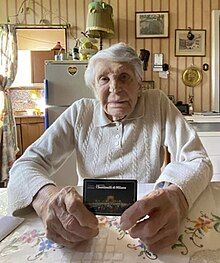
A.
pixel 104 149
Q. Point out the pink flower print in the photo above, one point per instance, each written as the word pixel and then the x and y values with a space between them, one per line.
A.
pixel 29 237
pixel 116 223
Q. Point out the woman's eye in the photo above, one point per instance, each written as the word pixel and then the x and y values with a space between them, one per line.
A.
pixel 124 77
pixel 103 80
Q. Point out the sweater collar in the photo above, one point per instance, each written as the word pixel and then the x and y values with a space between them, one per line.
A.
pixel 100 118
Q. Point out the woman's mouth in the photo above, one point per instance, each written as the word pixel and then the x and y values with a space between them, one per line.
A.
pixel 118 103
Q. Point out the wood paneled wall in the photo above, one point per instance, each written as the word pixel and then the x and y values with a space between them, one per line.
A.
pixel 182 13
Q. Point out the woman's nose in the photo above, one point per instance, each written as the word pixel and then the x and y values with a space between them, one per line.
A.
pixel 114 86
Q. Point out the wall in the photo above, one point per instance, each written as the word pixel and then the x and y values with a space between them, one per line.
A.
pixel 183 14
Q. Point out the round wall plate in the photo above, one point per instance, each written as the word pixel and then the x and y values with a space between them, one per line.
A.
pixel 192 76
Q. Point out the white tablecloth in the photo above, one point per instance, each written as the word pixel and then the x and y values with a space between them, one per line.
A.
pixel 199 240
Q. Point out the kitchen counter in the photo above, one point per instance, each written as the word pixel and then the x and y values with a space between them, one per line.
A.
pixel 205 124
pixel 28 116
pixel 209 133
pixel 203 118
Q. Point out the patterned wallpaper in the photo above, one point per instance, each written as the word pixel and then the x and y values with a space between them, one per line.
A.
pixel 182 13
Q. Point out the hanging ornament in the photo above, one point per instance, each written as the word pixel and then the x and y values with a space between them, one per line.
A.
pixel 192 76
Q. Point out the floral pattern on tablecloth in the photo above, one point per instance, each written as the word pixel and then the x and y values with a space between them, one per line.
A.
pixel 196 231
pixel 199 239
pixel 41 246
pixel 138 246
pixel 34 238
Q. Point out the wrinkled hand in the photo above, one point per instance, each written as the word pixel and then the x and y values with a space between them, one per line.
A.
pixel 165 208
pixel 66 219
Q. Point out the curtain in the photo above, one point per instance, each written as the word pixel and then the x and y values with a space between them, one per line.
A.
pixel 8 69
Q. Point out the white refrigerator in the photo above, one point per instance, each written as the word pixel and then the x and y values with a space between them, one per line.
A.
pixel 64 83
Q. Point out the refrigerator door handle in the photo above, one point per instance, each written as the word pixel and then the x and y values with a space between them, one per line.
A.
pixel 46 119
pixel 46 91
pixel 46 115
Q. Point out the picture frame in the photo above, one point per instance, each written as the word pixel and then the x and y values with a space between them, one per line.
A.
pixel 147 84
pixel 185 47
pixel 152 24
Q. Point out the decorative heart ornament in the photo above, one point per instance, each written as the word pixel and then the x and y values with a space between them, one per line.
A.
pixel 72 70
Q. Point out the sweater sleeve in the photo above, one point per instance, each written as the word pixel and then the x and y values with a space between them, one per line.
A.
pixel 34 168
pixel 190 167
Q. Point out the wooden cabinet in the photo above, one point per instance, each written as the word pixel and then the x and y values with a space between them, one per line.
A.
pixel 37 64
pixel 29 129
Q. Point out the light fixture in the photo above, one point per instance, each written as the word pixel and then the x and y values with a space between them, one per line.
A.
pixel 100 21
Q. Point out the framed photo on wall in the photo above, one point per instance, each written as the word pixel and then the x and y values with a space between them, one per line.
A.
pixel 151 24
pixel 190 43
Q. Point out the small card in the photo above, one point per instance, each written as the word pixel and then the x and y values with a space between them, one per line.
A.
pixel 109 197
pixel 8 224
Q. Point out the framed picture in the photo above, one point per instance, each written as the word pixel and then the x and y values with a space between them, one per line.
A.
pixel 190 43
pixel 151 24
pixel 147 84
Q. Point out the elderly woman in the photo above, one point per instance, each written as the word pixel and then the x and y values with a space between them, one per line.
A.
pixel 120 134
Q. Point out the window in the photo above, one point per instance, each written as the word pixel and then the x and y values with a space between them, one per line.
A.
pixel 34 39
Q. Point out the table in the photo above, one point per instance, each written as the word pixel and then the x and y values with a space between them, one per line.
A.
pixel 199 239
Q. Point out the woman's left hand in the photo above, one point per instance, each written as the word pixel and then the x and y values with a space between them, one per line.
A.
pixel 166 207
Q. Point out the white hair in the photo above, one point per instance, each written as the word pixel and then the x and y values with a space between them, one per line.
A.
pixel 120 52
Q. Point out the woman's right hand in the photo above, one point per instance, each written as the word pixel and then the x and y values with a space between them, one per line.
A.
pixel 67 221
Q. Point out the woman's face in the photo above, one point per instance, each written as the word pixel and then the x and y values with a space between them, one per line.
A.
pixel 116 87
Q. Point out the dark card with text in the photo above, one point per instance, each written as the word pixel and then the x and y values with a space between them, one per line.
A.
pixel 109 196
